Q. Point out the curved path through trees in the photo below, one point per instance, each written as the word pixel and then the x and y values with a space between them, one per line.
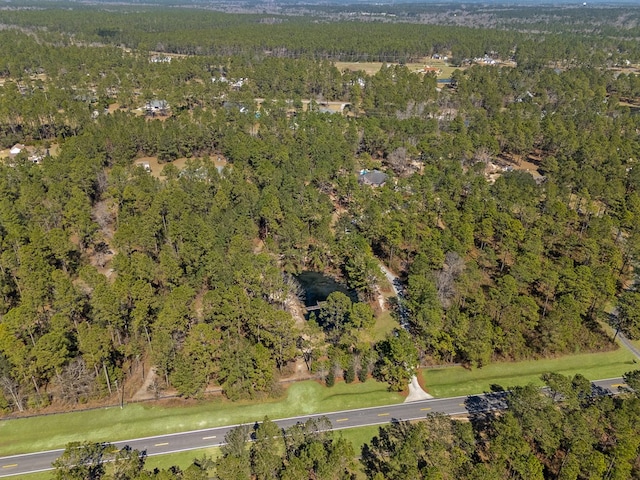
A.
pixel 416 392
pixel 629 345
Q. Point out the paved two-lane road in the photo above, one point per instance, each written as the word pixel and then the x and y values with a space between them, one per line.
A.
pixel 211 437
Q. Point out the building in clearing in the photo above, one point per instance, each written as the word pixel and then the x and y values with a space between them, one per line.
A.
pixel 16 149
pixel 156 107
pixel 374 178
pixel 160 59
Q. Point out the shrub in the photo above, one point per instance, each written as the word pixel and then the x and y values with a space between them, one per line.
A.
pixel 330 380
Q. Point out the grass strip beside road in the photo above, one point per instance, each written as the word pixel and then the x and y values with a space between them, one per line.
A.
pixel 457 381
pixel 141 420
pixel 32 476
pixel 162 462
pixel 359 436
pixel 181 459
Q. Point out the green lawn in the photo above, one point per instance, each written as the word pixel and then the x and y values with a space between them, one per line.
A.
pixel 140 420
pixel 385 323
pixel 359 436
pixel 33 476
pixel 455 381
pixel 182 459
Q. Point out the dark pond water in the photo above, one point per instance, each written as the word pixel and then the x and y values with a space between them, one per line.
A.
pixel 317 287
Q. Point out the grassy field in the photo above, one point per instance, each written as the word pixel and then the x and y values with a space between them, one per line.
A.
pixel 371 68
pixel 140 420
pixel 455 381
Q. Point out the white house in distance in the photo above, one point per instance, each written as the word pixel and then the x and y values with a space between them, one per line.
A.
pixel 156 107
pixel 160 59
pixel 34 155
pixel 16 149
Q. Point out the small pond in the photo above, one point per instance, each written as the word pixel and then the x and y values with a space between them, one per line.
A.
pixel 317 287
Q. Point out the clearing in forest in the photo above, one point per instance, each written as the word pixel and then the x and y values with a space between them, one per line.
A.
pixel 155 167
pixel 371 68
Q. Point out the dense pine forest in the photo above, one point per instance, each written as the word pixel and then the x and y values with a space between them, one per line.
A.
pixel 510 210
pixel 168 173
pixel 106 267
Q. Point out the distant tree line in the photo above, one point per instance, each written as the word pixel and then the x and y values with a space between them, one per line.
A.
pixel 535 36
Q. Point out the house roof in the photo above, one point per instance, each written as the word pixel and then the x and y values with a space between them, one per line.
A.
pixel 375 178
pixel 157 104
pixel 16 149
pixel 160 59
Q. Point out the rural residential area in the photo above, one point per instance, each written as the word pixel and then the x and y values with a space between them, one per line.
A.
pixel 261 240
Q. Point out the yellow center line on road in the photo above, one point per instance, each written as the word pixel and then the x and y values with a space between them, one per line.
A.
pixel 342 420
pixel 209 438
pixel 10 466
pixel 383 414
pixel 425 409
pixel 461 404
pixel 616 385
pixel 161 444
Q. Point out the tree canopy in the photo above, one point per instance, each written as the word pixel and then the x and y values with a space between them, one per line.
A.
pixel 510 208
